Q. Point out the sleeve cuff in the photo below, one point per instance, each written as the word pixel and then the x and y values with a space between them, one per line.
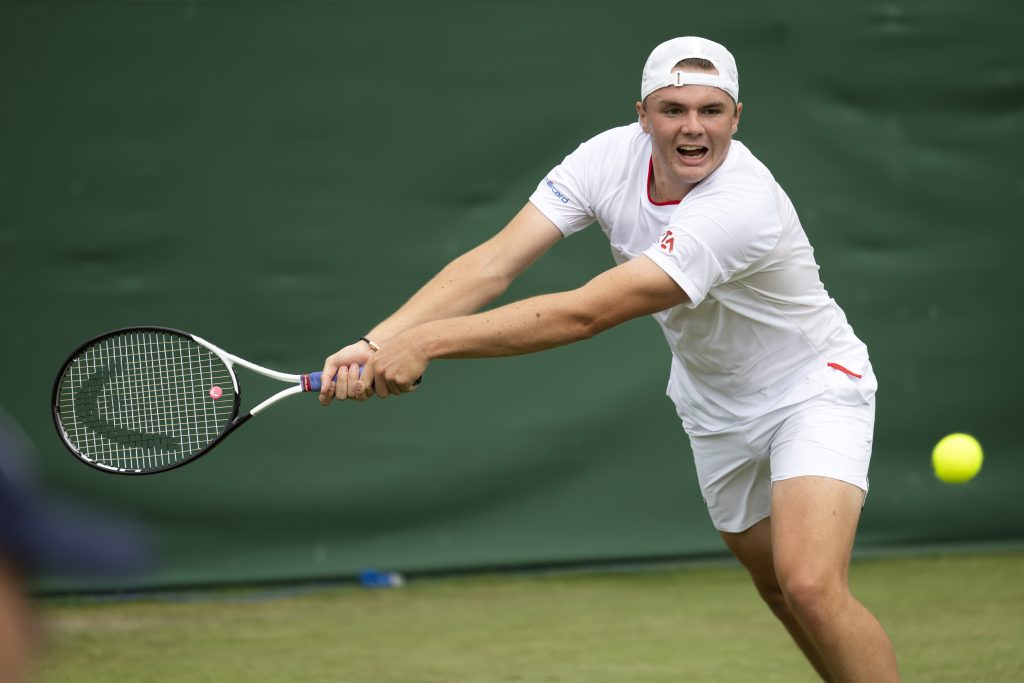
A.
pixel 560 221
pixel 667 264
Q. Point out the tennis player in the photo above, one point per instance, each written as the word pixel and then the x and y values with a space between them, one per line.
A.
pixel 772 386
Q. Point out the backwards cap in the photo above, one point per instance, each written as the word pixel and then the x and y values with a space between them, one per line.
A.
pixel 658 69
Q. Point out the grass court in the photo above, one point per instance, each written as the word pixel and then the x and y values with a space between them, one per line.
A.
pixel 953 618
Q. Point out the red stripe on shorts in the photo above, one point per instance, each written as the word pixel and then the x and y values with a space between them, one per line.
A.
pixel 840 368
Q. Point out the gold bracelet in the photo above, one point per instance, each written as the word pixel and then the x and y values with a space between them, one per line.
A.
pixel 373 347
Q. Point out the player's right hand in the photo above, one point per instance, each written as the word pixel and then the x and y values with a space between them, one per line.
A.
pixel 344 367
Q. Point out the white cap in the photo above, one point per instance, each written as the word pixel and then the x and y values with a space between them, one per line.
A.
pixel 658 69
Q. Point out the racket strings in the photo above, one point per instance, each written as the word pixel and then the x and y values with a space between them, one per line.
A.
pixel 143 400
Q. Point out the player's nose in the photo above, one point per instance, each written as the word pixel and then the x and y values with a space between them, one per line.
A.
pixel 690 124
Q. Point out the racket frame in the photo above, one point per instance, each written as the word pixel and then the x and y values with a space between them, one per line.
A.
pixel 301 383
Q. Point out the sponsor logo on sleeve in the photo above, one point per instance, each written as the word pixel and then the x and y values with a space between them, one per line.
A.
pixel 667 242
pixel 561 197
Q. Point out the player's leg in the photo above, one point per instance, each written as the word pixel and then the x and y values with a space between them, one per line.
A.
pixel 814 520
pixel 820 453
pixel 735 480
pixel 753 548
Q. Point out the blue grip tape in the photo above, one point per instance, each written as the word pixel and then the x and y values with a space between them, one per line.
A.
pixel 313 381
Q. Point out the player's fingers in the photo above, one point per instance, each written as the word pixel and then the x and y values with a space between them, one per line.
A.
pixel 380 385
pixel 364 385
pixel 341 384
pixel 353 379
pixel 326 385
pixel 407 387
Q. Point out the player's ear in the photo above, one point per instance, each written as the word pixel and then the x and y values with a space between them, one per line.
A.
pixel 736 117
pixel 641 111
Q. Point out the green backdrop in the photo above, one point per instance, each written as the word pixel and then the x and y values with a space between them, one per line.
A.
pixel 278 176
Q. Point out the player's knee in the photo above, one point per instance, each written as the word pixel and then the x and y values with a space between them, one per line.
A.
pixel 767 585
pixel 811 596
pixel 771 592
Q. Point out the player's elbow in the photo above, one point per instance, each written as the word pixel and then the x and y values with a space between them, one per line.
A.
pixel 592 319
pixel 597 313
pixel 490 277
pixel 583 328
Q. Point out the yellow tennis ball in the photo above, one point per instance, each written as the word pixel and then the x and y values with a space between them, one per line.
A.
pixel 957 458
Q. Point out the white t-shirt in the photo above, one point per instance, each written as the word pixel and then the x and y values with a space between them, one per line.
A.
pixel 760 329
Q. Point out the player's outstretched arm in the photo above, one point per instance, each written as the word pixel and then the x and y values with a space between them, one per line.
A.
pixel 464 286
pixel 636 288
pixel 477 277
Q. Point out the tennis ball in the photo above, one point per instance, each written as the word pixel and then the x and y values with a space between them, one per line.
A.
pixel 957 458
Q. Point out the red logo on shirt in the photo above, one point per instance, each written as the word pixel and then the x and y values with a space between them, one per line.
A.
pixel 667 242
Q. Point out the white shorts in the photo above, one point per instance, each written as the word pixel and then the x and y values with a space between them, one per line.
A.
pixel 827 436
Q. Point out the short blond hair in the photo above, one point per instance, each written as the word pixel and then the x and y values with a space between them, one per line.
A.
pixel 696 64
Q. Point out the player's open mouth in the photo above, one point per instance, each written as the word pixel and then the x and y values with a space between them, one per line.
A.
pixel 694 152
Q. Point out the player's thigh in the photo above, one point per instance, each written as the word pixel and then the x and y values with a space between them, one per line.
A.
pixel 734 480
pixel 814 521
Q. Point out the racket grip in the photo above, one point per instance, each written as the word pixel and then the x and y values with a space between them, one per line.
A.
pixel 312 381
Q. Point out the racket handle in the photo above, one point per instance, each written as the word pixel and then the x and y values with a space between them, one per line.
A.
pixel 312 381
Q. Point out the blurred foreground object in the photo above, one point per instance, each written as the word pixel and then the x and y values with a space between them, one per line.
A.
pixel 39 536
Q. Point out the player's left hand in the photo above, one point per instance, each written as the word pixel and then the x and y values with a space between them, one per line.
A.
pixel 344 367
pixel 394 369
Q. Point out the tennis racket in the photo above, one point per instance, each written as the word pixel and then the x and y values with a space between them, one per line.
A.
pixel 141 400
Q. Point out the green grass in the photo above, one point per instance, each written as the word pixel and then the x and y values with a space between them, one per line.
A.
pixel 952 618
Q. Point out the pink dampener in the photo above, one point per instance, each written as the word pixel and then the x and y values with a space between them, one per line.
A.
pixel 216 392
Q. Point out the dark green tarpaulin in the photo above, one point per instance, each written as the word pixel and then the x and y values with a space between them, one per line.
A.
pixel 278 176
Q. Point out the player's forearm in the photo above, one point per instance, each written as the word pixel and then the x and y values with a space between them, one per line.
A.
pixel 464 286
pixel 527 326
